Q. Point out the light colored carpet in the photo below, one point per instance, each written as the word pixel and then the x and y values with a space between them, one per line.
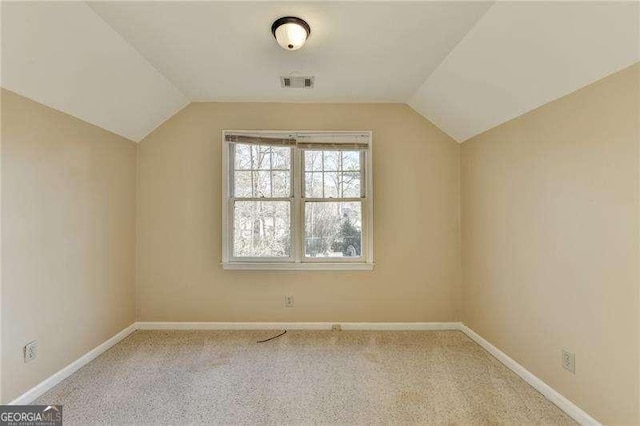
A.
pixel 303 377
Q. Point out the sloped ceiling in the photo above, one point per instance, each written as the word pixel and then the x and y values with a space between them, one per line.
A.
pixel 466 66
pixel 521 55
pixel 63 55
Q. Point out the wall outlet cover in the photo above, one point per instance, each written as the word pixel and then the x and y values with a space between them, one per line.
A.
pixel 569 361
pixel 30 351
pixel 288 301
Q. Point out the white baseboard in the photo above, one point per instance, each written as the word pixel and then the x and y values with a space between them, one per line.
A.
pixel 425 326
pixel 298 325
pixel 575 412
pixel 33 393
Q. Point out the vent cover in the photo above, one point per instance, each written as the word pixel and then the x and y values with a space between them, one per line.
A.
pixel 291 82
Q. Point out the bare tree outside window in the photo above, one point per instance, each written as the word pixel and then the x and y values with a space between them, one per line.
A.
pixel 333 229
pixel 261 229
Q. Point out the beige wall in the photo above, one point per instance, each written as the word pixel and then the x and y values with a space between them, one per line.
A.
pixel 68 241
pixel 550 225
pixel 416 222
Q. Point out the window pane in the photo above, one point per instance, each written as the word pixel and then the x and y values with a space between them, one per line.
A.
pixel 242 184
pixel 333 229
pixel 351 160
pixel 261 157
pixel 262 184
pixel 313 161
pixel 261 229
pixel 331 184
pixel 313 184
pixel 242 157
pixel 351 185
pixel 281 185
pixel 281 158
pixel 331 160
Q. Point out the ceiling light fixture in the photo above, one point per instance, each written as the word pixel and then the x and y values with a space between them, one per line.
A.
pixel 290 32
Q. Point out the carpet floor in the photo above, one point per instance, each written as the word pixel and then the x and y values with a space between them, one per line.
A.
pixel 302 377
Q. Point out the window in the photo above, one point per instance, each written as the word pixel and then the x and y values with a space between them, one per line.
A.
pixel 297 200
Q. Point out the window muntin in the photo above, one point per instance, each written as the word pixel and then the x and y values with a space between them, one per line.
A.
pixel 297 202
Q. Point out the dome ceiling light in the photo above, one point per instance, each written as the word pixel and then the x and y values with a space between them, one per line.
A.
pixel 290 32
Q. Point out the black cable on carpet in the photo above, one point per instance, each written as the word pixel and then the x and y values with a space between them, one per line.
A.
pixel 271 338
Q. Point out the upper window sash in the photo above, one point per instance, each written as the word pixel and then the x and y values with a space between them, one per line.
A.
pixel 315 171
pixel 260 178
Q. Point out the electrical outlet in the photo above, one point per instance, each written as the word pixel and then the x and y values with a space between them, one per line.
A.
pixel 569 361
pixel 30 351
pixel 288 301
pixel 336 327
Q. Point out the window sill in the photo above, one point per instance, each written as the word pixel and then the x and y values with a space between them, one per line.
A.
pixel 315 266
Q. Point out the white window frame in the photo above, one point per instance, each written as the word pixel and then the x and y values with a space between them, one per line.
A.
pixel 297 260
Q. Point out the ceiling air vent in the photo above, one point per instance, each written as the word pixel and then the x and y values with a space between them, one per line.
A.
pixel 297 82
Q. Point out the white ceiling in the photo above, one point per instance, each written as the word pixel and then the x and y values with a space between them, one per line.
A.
pixel 358 52
pixel 466 66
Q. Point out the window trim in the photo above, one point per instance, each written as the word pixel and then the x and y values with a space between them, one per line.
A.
pixel 297 260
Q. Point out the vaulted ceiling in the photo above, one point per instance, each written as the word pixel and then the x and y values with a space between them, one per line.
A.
pixel 465 66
